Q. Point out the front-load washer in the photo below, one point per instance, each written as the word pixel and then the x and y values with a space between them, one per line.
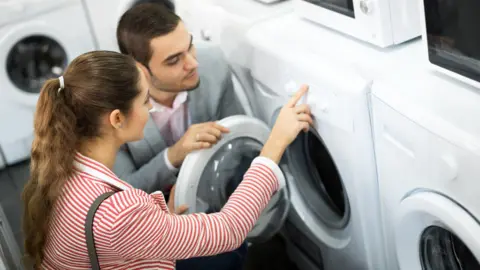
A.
pixel 427 145
pixel 37 41
pixel 330 171
pixel 288 37
pixel 105 14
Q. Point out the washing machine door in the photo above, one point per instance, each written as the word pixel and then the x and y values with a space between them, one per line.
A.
pixel 435 233
pixel 208 177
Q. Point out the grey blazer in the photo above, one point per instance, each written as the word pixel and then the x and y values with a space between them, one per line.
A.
pixel 141 163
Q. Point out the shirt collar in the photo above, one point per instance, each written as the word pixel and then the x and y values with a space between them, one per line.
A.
pixel 99 171
pixel 180 99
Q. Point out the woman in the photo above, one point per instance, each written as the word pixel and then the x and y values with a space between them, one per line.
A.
pixel 82 119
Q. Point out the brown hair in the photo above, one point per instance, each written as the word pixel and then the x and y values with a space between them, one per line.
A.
pixel 139 25
pixel 95 83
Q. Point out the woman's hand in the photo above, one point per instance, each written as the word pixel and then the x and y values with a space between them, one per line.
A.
pixel 291 120
pixel 171 204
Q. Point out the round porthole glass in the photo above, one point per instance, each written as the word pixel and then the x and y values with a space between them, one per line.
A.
pixel 318 180
pixel 224 173
pixel 440 249
pixel 33 60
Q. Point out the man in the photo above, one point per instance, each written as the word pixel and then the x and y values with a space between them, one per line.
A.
pixel 189 91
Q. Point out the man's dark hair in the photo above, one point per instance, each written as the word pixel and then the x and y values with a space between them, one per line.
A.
pixel 142 23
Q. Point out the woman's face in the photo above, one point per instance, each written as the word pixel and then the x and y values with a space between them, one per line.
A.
pixel 135 122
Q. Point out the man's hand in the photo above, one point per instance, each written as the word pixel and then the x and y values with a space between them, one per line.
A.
pixel 199 136
pixel 171 204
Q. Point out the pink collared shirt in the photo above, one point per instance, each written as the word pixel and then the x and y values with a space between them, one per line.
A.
pixel 172 123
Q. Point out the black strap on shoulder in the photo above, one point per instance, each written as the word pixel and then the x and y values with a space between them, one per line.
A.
pixel 92 253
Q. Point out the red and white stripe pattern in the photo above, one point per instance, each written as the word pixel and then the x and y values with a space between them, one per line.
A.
pixel 134 230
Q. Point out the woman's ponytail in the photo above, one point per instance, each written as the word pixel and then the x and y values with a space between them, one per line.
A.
pixel 53 151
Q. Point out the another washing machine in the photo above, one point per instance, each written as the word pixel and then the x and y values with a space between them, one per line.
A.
pixel 427 144
pixel 37 41
pixel 105 14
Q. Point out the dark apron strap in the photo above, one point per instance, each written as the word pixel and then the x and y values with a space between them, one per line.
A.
pixel 92 253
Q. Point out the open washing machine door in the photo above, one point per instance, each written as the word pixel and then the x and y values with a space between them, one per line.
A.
pixel 208 177
pixel 432 232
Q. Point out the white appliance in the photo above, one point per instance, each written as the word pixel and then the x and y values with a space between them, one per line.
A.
pixel 104 16
pixel 334 221
pixel 427 145
pixel 451 38
pixel 37 41
pixel 379 22
pixel 288 51
pixel 333 185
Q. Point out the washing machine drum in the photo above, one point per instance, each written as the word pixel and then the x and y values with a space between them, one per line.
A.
pixel 33 60
pixel 440 249
pixel 318 180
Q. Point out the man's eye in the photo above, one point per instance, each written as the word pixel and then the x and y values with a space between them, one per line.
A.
pixel 173 61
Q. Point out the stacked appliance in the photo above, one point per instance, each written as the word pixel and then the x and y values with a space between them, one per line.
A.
pixel 426 143
pixel 428 149
pixel 37 40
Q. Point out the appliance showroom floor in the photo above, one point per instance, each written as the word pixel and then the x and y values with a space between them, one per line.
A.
pixel 270 255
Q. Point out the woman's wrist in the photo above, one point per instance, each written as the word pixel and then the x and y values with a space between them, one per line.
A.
pixel 274 149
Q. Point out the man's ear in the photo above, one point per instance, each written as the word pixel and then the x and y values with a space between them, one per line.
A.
pixel 145 71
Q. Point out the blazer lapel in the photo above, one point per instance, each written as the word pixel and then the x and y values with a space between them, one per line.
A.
pixel 152 143
pixel 198 104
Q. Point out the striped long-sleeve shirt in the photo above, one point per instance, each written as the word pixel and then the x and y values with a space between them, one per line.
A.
pixel 134 230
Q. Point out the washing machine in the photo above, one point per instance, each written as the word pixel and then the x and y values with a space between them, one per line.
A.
pixel 37 41
pixel 427 145
pixel 285 48
pixel 329 209
pixel 104 16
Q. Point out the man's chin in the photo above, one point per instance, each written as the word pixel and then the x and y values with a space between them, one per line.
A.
pixel 194 86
